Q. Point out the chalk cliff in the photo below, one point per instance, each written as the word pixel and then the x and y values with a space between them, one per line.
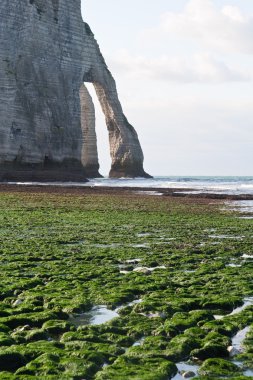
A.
pixel 47 122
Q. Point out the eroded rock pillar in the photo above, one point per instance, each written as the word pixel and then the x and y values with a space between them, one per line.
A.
pixel 89 157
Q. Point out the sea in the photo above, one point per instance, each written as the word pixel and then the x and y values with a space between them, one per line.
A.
pixel 215 185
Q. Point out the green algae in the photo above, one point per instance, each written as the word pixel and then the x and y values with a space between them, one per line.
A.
pixel 138 368
pixel 61 255
pixel 218 368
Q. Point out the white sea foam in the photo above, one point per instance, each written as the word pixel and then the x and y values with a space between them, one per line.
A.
pixel 217 185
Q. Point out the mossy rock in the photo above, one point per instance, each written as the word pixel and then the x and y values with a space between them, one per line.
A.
pixel 216 338
pixel 30 351
pixel 242 319
pixel 32 319
pixel 210 350
pixel 105 328
pixel 45 364
pixel 137 325
pixel 122 340
pixel 82 336
pixel 11 361
pixel 5 310
pixel 5 375
pixel 223 327
pixel 183 320
pixel 5 339
pixel 95 357
pixel 222 304
pixel 125 368
pixel 79 368
pixel 195 332
pixel 4 328
pixel 156 342
pixel 109 351
pixel 35 349
pixel 35 335
pixel 78 305
pixel 219 367
pixel 57 327
pixel 144 353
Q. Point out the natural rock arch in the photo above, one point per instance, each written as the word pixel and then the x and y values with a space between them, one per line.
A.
pixel 47 52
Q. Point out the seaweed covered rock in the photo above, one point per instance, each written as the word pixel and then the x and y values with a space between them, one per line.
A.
pixel 219 368
pixel 138 368
pixel 11 360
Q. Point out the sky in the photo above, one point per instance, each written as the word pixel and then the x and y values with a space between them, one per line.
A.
pixel 184 74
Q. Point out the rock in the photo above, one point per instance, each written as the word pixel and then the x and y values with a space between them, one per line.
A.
pixel 217 367
pixel 188 374
pixel 22 328
pixel 156 315
pixel 25 328
pixel 143 270
pixel 233 351
pixel 210 350
pixel 133 261
pixel 17 302
pixel 47 52
pixel 124 272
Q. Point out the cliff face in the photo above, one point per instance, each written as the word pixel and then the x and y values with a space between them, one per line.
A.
pixel 46 54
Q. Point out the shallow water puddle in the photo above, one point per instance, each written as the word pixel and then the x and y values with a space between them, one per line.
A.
pixel 246 256
pixel 124 271
pixel 99 314
pixel 144 270
pixel 242 206
pixel 238 339
pixel 135 302
pixel 96 316
pixel 248 372
pixel 139 342
pixel 143 245
pixel 112 245
pixel 143 234
pixel 154 315
pixel 72 243
pixel 234 265
pixel 133 261
pixel 148 192
pixel 226 237
pixel 190 271
pixel 150 269
pixel 132 303
pixel 246 302
pixel 185 367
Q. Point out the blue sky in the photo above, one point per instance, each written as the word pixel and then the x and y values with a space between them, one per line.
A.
pixel 184 74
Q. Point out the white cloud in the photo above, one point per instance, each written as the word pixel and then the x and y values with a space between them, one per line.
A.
pixel 214 33
pixel 200 68
pixel 226 29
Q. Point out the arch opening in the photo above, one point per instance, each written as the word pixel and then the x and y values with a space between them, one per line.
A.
pixel 95 155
